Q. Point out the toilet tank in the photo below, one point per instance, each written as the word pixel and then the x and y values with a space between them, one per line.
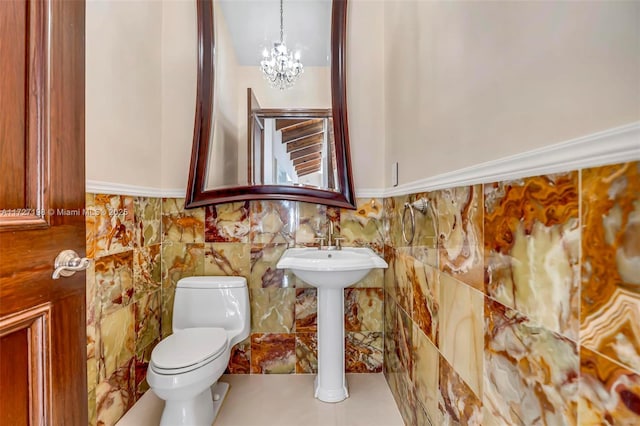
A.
pixel 213 302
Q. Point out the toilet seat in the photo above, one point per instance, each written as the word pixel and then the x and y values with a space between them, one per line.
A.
pixel 188 349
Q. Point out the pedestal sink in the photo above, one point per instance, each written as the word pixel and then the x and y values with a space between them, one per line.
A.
pixel 330 271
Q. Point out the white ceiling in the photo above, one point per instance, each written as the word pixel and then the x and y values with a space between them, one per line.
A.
pixel 255 24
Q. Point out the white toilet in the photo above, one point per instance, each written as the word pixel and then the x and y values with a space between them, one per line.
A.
pixel 210 315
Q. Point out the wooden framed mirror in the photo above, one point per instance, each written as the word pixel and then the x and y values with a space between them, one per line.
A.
pixel 213 167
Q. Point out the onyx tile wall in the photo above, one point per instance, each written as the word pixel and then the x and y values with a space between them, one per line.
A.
pixel 247 239
pixel 518 302
pixel 142 246
pixel 123 300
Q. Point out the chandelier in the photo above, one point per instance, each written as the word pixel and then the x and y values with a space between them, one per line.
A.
pixel 281 67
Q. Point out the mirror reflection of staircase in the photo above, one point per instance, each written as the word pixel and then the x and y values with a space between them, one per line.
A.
pixel 304 139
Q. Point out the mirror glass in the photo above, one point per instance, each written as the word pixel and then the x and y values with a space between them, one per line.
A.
pixel 254 139
pixel 251 142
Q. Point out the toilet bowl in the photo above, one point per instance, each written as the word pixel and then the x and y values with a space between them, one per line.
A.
pixel 211 314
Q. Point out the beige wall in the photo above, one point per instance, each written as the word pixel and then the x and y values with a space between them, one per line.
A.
pixel 123 75
pixel 179 67
pixel 468 82
pixel 142 56
pixel 436 86
pixel 365 91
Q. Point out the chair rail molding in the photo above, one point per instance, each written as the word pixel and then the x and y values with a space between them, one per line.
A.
pixel 616 145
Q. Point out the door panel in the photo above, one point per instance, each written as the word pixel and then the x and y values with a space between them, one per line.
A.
pixel 42 320
pixel 13 25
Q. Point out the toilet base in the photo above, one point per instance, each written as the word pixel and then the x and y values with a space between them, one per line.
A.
pixel 201 410
pixel 218 393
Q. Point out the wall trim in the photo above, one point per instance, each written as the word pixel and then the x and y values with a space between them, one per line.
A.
pixel 617 145
pixel 370 193
pixel 100 187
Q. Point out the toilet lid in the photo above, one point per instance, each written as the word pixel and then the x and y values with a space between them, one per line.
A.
pixel 189 347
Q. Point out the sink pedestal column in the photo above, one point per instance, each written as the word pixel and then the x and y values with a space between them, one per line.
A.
pixel 331 383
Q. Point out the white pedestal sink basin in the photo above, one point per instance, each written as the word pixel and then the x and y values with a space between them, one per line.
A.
pixel 330 271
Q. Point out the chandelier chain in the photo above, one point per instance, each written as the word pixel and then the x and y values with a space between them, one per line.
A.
pixel 281 22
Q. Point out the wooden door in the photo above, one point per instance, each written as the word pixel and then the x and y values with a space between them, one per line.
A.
pixel 42 321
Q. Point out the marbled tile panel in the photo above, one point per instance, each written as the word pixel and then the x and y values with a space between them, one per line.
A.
pixel 404 343
pixel 363 352
pixel 92 373
pixel 610 293
pixel 115 395
pixel 425 370
pixel 272 310
pixel 374 279
pixel 180 224
pixel 166 322
pixel 364 226
pixel 147 270
pixel 273 353
pixel 391 273
pixel 460 233
pixel 240 360
pixel 264 273
pixel 404 273
pixel 312 221
pixel 231 259
pixel 404 394
pixel 114 281
pixel 609 392
pixel 532 244
pixel 363 309
pixel 143 356
pixel 306 353
pixel 422 418
pixel 306 310
pixel 92 312
pixel 117 341
pixel 180 260
pixel 273 222
pixel 426 299
pixel 113 223
pixel 392 211
pixel 92 414
pixel 147 219
pixel 457 402
pixel 391 361
pixel 531 373
pixel 147 320
pixel 461 339
pixel 227 223
pixel 90 226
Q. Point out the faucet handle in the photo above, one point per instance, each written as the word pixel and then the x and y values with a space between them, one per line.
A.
pixel 338 241
pixel 321 239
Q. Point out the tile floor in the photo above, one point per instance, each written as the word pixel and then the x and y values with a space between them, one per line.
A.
pixel 287 400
